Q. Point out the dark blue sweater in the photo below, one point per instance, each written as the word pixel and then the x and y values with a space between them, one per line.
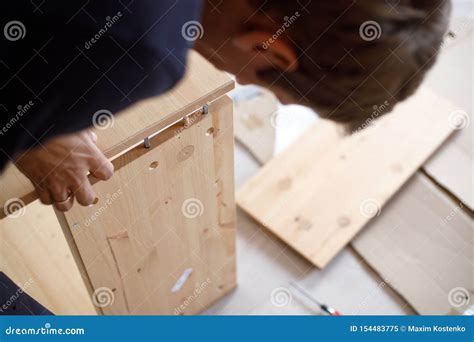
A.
pixel 62 61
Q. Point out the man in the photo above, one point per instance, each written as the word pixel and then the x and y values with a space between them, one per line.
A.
pixel 68 60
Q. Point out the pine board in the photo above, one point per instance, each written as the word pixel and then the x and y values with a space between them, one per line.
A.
pixel 315 194
pixel 137 243
pixel 34 254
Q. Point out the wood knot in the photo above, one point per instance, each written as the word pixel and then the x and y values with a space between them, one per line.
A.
pixel 123 234
pixel 343 221
pixel 397 168
pixel 252 121
pixel 185 153
pixel 285 183
pixel 303 224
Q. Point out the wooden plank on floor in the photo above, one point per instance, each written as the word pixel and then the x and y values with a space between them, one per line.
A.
pixel 266 266
pixel 34 253
pixel 318 194
pixel 422 246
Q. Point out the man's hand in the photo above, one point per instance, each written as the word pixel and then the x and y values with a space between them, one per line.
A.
pixel 59 168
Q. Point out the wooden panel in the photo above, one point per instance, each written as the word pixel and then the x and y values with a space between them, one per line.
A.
pixel 422 247
pixel 316 198
pixel 160 239
pixel 202 83
pixel 34 253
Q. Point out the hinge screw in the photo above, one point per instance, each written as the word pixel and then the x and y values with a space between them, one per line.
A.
pixel 205 109
pixel 146 142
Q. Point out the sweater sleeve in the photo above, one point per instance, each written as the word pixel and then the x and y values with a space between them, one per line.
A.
pixel 63 61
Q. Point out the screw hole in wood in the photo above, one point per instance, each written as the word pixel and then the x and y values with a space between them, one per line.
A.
pixel 210 131
pixel 153 165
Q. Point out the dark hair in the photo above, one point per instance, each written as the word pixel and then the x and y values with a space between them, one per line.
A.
pixel 354 56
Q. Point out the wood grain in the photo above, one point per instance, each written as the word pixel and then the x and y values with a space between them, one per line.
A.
pixel 321 191
pixel 170 210
pixel 201 84
pixel 34 253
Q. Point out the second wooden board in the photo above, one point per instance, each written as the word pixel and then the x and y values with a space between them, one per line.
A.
pixel 321 191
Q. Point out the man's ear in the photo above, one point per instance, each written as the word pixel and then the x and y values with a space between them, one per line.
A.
pixel 276 52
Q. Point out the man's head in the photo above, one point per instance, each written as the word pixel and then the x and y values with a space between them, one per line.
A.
pixel 341 57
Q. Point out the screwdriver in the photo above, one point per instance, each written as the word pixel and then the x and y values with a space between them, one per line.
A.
pixel 327 309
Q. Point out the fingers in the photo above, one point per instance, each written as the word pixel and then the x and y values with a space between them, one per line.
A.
pixel 100 166
pixel 65 203
pixel 56 195
pixel 59 172
pixel 44 195
pixel 61 193
pixel 84 193
pixel 79 188
pixel 104 171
